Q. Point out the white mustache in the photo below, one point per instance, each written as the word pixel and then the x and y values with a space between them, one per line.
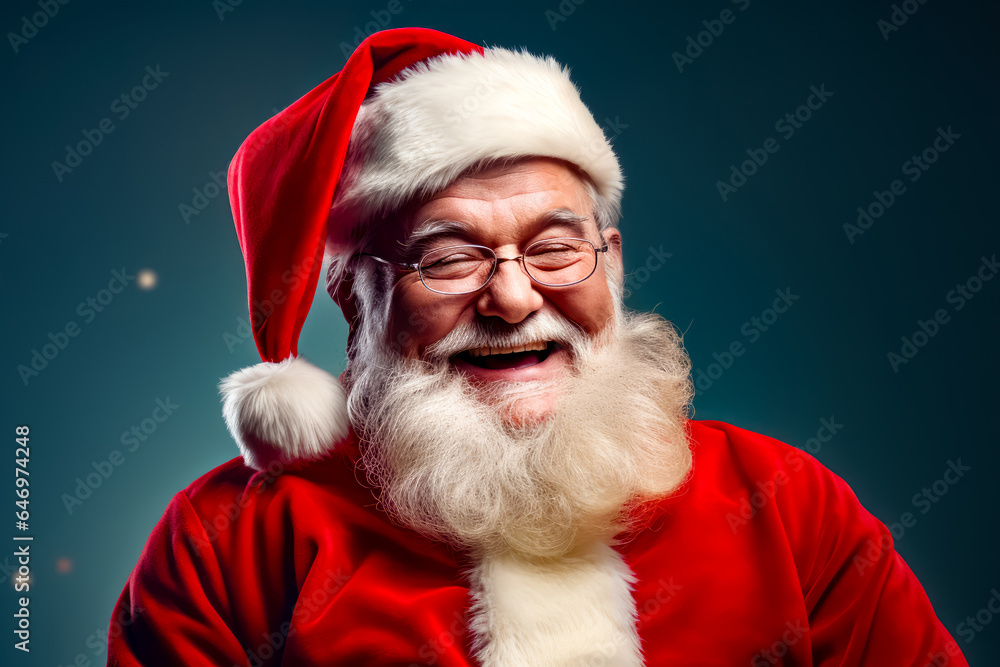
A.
pixel 541 326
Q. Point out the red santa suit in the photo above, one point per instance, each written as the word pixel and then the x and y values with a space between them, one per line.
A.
pixel 763 557
pixel 282 557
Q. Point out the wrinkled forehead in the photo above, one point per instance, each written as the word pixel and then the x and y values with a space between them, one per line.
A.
pixel 509 201
pixel 566 219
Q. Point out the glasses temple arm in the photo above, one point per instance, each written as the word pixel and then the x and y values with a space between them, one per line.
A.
pixel 399 265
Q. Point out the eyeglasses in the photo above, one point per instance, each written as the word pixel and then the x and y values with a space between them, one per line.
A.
pixel 463 269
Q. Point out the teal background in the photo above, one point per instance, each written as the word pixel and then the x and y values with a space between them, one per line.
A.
pixel 676 133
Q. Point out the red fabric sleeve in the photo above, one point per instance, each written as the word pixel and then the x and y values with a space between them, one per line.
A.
pixel 174 607
pixel 865 605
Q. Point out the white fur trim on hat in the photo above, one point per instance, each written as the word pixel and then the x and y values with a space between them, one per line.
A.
pixel 286 411
pixel 418 133
pixel 575 610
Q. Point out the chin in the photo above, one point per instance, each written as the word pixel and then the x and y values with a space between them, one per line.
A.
pixel 531 411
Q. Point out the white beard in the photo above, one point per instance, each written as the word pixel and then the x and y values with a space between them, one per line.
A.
pixel 453 465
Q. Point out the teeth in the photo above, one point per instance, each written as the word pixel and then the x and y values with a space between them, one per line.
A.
pixel 527 347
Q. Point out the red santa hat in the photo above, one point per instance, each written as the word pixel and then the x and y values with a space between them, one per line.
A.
pixel 410 111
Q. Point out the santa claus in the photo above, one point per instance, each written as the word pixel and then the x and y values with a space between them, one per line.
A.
pixel 505 474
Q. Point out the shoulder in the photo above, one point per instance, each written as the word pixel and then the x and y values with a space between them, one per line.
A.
pixel 742 456
pixel 770 485
pixel 217 515
pixel 766 470
pixel 273 518
pixel 229 478
pixel 234 481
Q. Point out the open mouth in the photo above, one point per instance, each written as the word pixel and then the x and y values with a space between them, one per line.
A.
pixel 516 357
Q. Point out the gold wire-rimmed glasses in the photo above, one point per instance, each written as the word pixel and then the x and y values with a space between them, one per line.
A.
pixel 463 269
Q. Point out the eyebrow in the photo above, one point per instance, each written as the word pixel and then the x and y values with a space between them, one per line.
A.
pixel 563 217
pixel 427 232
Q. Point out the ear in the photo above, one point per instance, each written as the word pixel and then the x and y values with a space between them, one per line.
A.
pixel 613 263
pixel 613 238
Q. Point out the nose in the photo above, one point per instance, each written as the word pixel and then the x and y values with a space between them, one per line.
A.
pixel 510 294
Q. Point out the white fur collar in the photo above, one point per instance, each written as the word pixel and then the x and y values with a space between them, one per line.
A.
pixel 569 611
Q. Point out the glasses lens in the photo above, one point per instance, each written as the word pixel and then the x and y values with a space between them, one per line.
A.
pixel 457 269
pixel 560 261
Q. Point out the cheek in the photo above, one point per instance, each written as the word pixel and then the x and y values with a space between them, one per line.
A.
pixel 590 305
pixel 419 318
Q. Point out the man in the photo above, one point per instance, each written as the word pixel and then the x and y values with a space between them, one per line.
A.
pixel 505 474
